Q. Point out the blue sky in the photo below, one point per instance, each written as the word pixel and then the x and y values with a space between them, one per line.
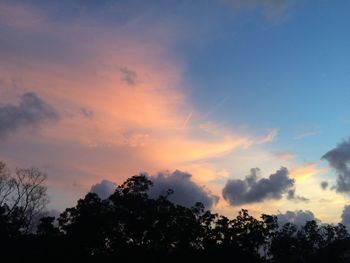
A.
pixel 290 73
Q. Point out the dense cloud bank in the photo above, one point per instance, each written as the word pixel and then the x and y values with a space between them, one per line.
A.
pixel 299 218
pixel 103 189
pixel 30 112
pixel 186 192
pixel 252 189
pixel 339 159
pixel 345 217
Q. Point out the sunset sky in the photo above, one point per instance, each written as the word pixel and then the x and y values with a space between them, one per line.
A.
pixel 196 93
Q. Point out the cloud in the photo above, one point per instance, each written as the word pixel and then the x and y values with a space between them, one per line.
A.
pixel 345 216
pixel 103 189
pixel 252 189
pixel 129 76
pixel 299 218
pixel 47 213
pixel 86 113
pixel 270 8
pixel 339 159
pixel 291 196
pixel 85 69
pixel 284 156
pixel 306 134
pixel 304 171
pixel 269 137
pixel 186 191
pixel 324 185
pixel 31 112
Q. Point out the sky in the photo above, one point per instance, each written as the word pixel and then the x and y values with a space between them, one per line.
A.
pixel 236 103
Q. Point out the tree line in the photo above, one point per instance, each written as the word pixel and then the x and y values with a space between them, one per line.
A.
pixel 130 225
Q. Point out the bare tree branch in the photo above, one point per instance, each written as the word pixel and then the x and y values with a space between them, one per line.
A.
pixel 23 193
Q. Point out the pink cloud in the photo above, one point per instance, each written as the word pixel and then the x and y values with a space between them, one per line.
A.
pixel 123 129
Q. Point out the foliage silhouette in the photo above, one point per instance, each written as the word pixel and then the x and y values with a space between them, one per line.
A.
pixel 130 225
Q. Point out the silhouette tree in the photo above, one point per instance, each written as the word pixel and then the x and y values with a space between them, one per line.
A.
pixel 131 225
pixel 22 195
pixel 47 228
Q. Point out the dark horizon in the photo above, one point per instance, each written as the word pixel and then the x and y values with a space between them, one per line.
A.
pixel 129 225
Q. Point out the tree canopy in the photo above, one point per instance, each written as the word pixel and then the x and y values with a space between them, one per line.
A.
pixel 129 224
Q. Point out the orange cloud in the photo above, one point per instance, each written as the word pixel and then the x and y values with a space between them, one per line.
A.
pixel 123 105
pixel 284 156
pixel 153 114
pixel 304 171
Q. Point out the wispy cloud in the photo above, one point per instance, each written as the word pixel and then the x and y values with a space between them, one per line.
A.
pixel 109 129
pixel 123 101
pixel 305 134
pixel 269 137
pixel 284 156
pixel 271 9
pixel 305 171
pixel 187 120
